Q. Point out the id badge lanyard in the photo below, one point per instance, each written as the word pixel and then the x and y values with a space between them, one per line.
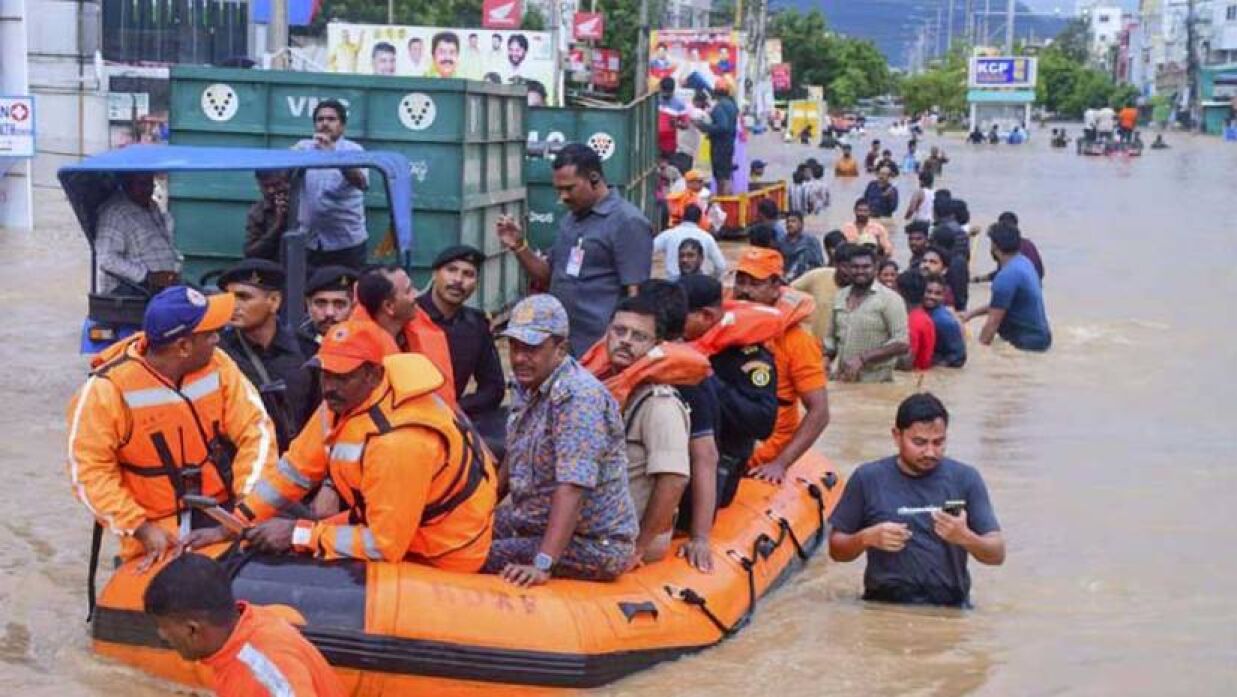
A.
pixel 575 259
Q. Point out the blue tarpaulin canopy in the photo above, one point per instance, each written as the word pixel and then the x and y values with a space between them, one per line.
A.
pixel 90 182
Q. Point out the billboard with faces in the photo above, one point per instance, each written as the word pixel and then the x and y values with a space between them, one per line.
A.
pixel 502 56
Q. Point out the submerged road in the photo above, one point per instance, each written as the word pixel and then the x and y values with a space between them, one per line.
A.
pixel 1109 459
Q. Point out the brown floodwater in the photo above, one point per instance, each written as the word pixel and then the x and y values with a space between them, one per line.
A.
pixel 1111 460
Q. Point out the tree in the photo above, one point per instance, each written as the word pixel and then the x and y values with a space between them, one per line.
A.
pixel 849 69
pixel 942 87
pixel 533 19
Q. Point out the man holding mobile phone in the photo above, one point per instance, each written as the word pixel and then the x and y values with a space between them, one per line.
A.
pixel 919 515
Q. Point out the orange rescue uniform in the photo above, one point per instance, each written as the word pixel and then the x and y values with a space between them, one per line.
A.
pixel 678 202
pixel 137 442
pixel 417 479
pixel 800 364
pixel 267 657
pixel 421 335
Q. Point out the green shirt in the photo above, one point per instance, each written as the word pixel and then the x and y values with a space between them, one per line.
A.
pixel 879 320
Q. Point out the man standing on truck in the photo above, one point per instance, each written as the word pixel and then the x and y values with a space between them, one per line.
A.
pixel 333 200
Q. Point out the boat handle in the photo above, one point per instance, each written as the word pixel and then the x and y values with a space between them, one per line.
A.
pixel 630 610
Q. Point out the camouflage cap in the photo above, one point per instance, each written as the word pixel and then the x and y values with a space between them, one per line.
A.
pixel 537 318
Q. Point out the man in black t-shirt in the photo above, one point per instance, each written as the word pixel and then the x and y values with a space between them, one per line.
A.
pixel 919 515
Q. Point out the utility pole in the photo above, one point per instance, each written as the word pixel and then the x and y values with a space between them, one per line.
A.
pixel 642 52
pixel 936 39
pixel 1191 61
pixel 987 29
pixel 1009 28
pixel 390 11
pixel 969 13
pixel 277 34
pixel 949 28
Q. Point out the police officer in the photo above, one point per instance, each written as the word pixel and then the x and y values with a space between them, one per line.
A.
pixel 743 387
pixel 264 349
pixel 328 301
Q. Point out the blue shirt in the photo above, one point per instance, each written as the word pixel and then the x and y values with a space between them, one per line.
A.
pixel 617 243
pixel 928 570
pixel 332 210
pixel 950 348
pixel 1016 290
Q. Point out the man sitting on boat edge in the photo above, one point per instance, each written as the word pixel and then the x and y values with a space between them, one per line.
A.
pixel 416 481
pixel 570 511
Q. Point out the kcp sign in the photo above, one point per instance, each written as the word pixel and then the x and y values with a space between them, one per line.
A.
pixel 1018 72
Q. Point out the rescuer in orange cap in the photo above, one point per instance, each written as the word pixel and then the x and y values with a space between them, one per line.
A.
pixel 799 360
pixel 416 480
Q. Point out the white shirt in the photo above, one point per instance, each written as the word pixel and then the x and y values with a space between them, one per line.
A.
pixel 1106 119
pixel 667 243
pixel 1089 117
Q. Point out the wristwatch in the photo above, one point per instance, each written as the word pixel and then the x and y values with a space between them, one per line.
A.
pixel 543 562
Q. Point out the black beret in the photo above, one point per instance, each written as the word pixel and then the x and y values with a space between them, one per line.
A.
pixel 331 278
pixel 261 273
pixel 459 252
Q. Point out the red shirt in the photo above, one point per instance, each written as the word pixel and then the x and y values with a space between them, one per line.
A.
pixel 922 333
pixel 267 657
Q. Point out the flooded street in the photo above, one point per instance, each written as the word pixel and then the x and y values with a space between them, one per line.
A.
pixel 1110 459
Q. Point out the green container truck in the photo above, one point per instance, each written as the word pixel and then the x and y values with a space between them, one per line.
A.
pixel 626 139
pixel 465 141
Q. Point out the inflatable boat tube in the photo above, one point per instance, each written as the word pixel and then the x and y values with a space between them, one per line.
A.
pixel 409 629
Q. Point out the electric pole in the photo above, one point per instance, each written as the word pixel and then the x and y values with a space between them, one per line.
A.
pixel 949 27
pixel 1009 28
pixel 1191 61
pixel 642 52
pixel 277 34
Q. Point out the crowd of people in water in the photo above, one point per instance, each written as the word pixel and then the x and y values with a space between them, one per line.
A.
pixel 387 427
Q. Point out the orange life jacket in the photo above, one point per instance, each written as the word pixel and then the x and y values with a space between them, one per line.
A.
pixel 456 502
pixel 175 444
pixel 422 336
pixel 795 307
pixel 678 202
pixel 743 324
pixel 668 363
pixel 266 656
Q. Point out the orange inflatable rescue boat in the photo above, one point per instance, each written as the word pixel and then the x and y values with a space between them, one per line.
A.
pixel 392 629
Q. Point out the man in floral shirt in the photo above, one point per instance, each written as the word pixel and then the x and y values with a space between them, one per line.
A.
pixel 570 512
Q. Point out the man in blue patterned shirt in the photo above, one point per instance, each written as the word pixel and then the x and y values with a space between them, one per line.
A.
pixel 570 512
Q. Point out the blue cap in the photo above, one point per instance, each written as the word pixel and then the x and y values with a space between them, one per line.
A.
pixel 537 318
pixel 180 311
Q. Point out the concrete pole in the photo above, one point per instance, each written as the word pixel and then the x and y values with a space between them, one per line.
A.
pixel 949 27
pixel 16 184
pixel 1009 28
pixel 642 52
pixel 277 35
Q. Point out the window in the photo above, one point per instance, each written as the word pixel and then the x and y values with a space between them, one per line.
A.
pixel 1230 13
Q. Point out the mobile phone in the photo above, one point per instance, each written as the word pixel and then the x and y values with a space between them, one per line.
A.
pixel 212 509
pixel 954 507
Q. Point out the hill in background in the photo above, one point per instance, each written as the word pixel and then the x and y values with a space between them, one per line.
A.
pixel 893 25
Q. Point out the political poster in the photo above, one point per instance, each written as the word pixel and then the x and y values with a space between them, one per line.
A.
pixel 505 57
pixel 780 76
pixel 606 67
pixel 696 59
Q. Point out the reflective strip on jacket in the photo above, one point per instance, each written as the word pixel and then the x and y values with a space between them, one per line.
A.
pixel 132 434
pixel 268 657
pixel 417 479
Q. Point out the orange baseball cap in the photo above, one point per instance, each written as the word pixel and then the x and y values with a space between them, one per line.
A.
pixel 760 263
pixel 348 345
pixel 694 175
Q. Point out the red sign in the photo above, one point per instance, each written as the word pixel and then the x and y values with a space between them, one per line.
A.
pixel 588 26
pixel 780 75
pixel 575 60
pixel 606 69
pixel 502 14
